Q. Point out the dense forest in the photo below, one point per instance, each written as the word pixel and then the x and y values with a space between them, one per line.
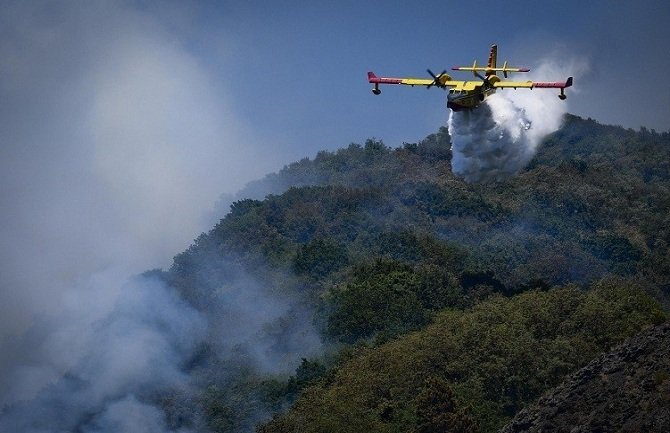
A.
pixel 371 290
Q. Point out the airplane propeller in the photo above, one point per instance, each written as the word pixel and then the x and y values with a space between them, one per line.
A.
pixel 436 79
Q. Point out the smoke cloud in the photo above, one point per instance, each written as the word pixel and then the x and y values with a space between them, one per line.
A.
pixel 115 141
pixel 271 331
pixel 108 344
pixel 498 139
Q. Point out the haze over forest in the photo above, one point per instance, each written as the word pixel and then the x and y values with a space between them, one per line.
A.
pixel 154 277
pixel 355 255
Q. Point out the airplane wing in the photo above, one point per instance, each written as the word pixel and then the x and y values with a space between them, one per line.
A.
pixel 533 84
pixel 538 84
pixel 489 69
pixel 458 85
pixel 514 84
pixel 555 85
pixel 373 79
pixel 444 80
pixel 417 81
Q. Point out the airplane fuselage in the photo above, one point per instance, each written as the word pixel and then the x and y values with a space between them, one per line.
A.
pixel 459 100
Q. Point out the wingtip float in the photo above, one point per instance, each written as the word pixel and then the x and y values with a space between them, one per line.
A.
pixel 466 95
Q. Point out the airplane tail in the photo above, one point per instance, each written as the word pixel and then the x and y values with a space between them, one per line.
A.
pixel 492 66
pixel 493 57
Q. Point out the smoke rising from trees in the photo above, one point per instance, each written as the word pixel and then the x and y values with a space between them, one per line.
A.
pixel 115 142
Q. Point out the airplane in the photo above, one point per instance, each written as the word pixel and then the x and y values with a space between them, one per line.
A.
pixel 467 95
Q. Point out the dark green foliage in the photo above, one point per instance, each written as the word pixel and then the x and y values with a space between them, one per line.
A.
pixel 404 246
pixel 435 147
pixel 219 416
pixel 496 358
pixel 437 287
pixel 438 412
pixel 386 297
pixel 221 413
pixel 382 298
pixel 471 280
pixel 416 248
pixel 306 374
pixel 443 202
pixel 319 258
pixel 618 250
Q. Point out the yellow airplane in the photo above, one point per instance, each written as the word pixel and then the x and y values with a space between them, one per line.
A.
pixel 466 95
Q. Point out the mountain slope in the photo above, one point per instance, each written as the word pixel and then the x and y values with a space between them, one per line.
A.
pixel 496 358
pixel 624 390
pixel 594 201
pixel 361 246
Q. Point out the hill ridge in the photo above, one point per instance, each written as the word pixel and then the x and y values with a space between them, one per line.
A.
pixel 368 243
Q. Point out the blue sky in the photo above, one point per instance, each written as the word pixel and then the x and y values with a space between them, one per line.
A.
pixel 294 72
pixel 297 69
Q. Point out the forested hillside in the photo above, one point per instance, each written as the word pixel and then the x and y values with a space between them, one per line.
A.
pixel 471 369
pixel 416 300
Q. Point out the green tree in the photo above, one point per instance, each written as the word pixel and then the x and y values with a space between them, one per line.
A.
pixel 319 258
pixel 438 412
pixel 382 299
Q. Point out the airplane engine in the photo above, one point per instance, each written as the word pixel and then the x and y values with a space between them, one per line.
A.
pixel 376 91
pixel 493 79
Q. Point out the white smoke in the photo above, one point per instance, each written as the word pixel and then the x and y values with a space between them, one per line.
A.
pixel 115 138
pixel 120 340
pixel 499 138
pixel 272 331
pixel 128 416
